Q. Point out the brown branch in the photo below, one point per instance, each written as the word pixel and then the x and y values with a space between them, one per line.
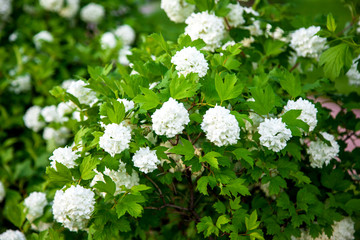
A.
pixel 295 66
pixel 157 187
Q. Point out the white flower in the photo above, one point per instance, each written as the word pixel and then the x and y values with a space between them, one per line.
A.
pixel 255 28
pixel 32 118
pixel 256 120
pixel 92 13
pixel 123 53
pixel 235 16
pixel 67 83
pixel 5 9
pixel 50 114
pixel 82 93
pixel 190 60
pixel 146 160
pixel 274 134
pixel 108 40
pixel 126 34
pixel 220 127
pixel 13 36
pixel 77 116
pixel 35 204
pixel 65 156
pixel 2 192
pixel 227 44
pixel 43 36
pixel 250 11
pixel 52 5
pixel 62 110
pixel 353 74
pixel 116 138
pixel 278 34
pixel 207 27
pixel 170 119
pixel 308 111
pixel 321 153
pixel 71 8
pixel 127 104
pixel 73 208
pixel 246 42
pixel 21 84
pixel 12 235
pixel 122 178
pixel 306 43
pixel 59 137
pixel 343 230
pixel 177 10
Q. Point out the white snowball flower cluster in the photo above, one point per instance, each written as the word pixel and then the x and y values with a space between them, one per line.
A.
pixel 35 204
pixel 126 34
pixel 208 27
pixel 170 119
pixel 108 40
pixel 146 160
pixel 82 93
pixel 353 74
pixel 308 111
pixel 52 5
pixel 177 10
pixel 116 138
pixel 63 109
pixel 50 114
pixel 2 192
pixel 92 13
pixel 321 153
pixel 255 28
pixel 58 136
pixel 70 9
pixel 12 235
pixel 32 118
pixel 344 229
pixel 5 8
pixel 274 134
pixel 128 104
pixel 67 83
pixel 235 16
pixel 65 156
pixel 43 36
pixel 73 208
pixel 123 53
pixel 190 60
pixel 21 84
pixel 306 43
pixel 220 127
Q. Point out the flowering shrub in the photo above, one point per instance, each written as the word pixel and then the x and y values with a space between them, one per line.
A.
pixel 213 135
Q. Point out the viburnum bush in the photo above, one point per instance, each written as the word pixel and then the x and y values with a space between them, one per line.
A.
pixel 219 134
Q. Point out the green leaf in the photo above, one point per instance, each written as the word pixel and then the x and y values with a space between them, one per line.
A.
pixel 185 149
pixel 335 60
pixel 159 39
pixel 219 207
pixel 204 5
pixel 229 88
pixel 287 81
pixel 108 186
pixel 293 123
pixel 149 100
pixel 256 235
pixel 264 100
pixel 330 23
pixel 181 87
pixel 235 187
pixel 87 167
pixel 273 47
pixel 223 219
pixel 202 185
pixel 207 226
pixel 15 213
pixel 130 204
pixel 251 222
pixel 276 183
pixel 242 153
pixel 210 158
pixel 352 206
pixel 60 176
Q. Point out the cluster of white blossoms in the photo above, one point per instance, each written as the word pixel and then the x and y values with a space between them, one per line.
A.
pixel 74 207
pixel 92 13
pixel 108 40
pixel 12 235
pixel 21 84
pixel 35 204
pixel 2 192
pixel 321 153
pixel 52 5
pixel 308 111
pixel 126 34
pixel 5 9
pixel 123 53
pixel 220 127
pixel 353 74
pixel 116 138
pixel 306 43
pixel 32 119
pixel 190 60
pixel 170 119
pixel 65 156
pixel 128 104
pixel 274 134
pixel 146 160
pixel 206 26
pixel 58 136
pixel 82 93
pixel 235 16
pixel 256 120
pixel 43 36
pixel 54 113
pixel 70 9
pixel 177 10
